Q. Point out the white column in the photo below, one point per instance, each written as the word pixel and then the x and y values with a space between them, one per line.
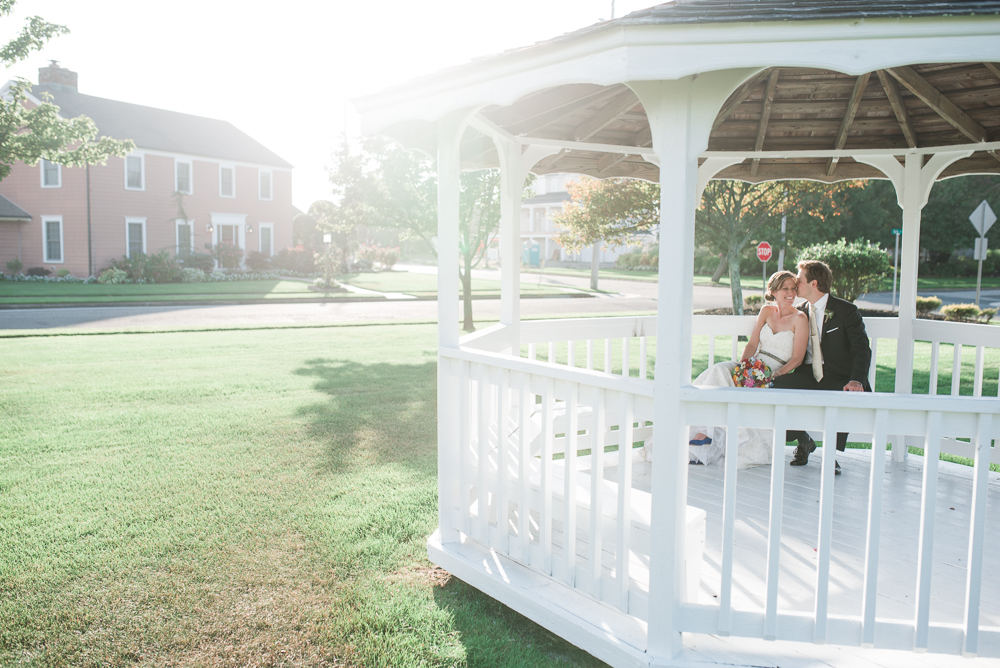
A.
pixel 512 176
pixel 449 136
pixel 909 260
pixel 680 114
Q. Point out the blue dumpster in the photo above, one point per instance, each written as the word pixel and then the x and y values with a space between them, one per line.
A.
pixel 531 253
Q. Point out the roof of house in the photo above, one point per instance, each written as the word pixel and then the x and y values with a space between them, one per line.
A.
pixel 162 130
pixel 11 211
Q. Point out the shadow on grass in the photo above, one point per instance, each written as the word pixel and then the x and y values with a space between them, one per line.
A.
pixel 493 634
pixel 376 414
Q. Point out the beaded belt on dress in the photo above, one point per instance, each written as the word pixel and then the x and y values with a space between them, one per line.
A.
pixel 775 358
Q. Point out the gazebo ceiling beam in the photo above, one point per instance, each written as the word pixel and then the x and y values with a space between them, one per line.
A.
pixel 937 101
pixel 742 93
pixel 848 153
pixel 624 103
pixel 845 124
pixel 765 115
pixel 558 113
pixel 898 108
pixel 992 67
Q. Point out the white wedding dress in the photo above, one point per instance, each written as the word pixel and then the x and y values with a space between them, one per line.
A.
pixel 754 447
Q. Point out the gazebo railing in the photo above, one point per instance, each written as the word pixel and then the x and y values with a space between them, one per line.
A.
pixel 558 439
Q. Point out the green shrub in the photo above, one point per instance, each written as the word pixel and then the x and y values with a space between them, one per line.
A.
pixel 927 304
pixel 986 314
pixel 858 267
pixel 38 271
pixel 753 302
pixel 705 262
pixel 192 275
pixel 229 256
pixel 62 273
pixel 113 276
pixel 295 259
pixel 257 261
pixel 202 261
pixel 142 268
pixel 14 266
pixel 960 312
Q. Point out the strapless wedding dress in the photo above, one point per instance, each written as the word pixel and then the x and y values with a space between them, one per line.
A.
pixel 755 445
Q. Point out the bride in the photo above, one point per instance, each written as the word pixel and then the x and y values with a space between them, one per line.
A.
pixel 779 340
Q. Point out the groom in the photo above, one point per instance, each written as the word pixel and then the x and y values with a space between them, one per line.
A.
pixel 838 333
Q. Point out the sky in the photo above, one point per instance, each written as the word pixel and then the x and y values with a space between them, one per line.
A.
pixel 284 72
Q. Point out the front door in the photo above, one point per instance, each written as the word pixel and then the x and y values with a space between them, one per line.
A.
pixel 229 234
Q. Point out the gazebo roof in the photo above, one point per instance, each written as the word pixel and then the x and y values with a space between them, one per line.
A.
pixel 947 100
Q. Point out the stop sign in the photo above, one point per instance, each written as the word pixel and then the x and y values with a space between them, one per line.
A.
pixel 764 251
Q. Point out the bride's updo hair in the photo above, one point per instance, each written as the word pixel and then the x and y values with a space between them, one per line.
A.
pixel 778 279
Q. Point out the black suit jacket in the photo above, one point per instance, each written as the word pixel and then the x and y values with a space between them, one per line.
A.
pixel 847 353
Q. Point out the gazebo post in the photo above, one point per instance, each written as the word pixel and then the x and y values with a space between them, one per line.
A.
pixel 512 175
pixel 450 130
pixel 677 111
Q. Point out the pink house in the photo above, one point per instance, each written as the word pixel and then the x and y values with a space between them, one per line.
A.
pixel 191 183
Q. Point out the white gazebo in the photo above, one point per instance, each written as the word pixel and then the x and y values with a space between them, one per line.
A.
pixel 629 554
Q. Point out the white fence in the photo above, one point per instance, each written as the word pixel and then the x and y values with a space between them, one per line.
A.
pixel 545 453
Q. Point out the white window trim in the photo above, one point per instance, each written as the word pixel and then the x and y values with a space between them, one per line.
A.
pixel 260 237
pixel 270 180
pixel 142 171
pixel 45 239
pixel 177 234
pixel 128 221
pixel 190 164
pixel 233 168
pixel 41 174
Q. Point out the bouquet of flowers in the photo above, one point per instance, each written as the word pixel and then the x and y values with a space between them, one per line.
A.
pixel 752 372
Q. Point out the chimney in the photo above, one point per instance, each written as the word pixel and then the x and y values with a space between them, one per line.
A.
pixel 57 76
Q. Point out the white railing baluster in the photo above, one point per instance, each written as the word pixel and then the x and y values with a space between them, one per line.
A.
pixel 532 351
pixel 935 357
pixel 552 352
pixel 736 342
pixel 874 364
pixel 597 491
pixel 545 513
pixel 729 519
pixel 875 485
pixel 956 370
pixel 590 354
pixel 977 534
pixel 642 358
pixel 711 350
pixel 483 455
pixel 607 355
pixel 625 432
pixel 524 472
pixel 977 388
pixel 626 357
pixel 925 544
pixel 503 460
pixel 774 522
pixel 825 525
pixel 465 443
pixel 569 492
pixel 571 355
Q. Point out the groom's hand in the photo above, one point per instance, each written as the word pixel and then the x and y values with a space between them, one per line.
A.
pixel 854 386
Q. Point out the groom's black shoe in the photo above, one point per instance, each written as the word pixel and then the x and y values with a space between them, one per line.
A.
pixel 800 457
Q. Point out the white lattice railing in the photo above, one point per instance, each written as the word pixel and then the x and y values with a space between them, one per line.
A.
pixel 546 450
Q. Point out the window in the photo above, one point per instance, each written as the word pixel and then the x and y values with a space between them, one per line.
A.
pixel 134 173
pixel 182 177
pixel 227 181
pixel 267 239
pixel 52 232
pixel 185 237
pixel 265 185
pixel 135 236
pixel 51 174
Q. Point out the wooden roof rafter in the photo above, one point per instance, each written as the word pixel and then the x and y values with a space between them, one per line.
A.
pixel 898 108
pixel 765 115
pixel 848 118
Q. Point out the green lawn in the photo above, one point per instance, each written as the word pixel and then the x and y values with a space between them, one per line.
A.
pixel 647 276
pixel 926 286
pixel 425 285
pixel 233 498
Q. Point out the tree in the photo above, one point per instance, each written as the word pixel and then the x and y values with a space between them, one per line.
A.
pixel 383 185
pixel 30 134
pixel 858 267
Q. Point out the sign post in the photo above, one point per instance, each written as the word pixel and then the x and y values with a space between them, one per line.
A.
pixel 895 263
pixel 982 219
pixel 764 254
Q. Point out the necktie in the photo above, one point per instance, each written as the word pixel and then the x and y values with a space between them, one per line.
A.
pixel 817 353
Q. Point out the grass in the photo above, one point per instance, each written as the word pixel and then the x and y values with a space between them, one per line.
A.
pixel 418 285
pixel 233 498
pixel 645 276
